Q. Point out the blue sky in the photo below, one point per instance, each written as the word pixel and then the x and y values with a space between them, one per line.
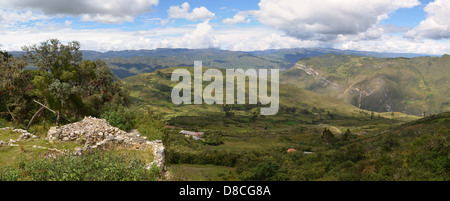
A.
pixel 406 26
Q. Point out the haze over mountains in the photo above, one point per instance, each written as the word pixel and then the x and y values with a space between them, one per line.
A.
pixel 132 62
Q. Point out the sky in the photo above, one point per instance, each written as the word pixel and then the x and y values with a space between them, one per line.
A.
pixel 398 26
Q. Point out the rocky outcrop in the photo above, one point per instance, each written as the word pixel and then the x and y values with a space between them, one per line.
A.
pixel 322 81
pixel 96 133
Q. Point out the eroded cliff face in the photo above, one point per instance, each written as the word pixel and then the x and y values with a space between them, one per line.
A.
pixel 376 93
pixel 409 85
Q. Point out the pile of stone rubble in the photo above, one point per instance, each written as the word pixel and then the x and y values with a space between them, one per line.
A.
pixel 96 133
pixel 24 135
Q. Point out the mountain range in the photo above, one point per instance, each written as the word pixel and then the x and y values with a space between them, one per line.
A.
pixel 127 63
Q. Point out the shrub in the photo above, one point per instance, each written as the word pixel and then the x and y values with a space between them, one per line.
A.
pixel 119 117
pixel 94 166
pixel 151 125
pixel 389 143
pixel 213 139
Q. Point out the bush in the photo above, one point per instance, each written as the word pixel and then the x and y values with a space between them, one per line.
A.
pixel 2 123
pixel 119 117
pixel 151 125
pixel 213 139
pixel 94 166
pixel 389 143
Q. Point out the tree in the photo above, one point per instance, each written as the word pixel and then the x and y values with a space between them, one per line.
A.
pixel 13 84
pixel 71 86
pixel 254 114
pixel 227 109
pixel 327 136
pixel 347 135
pixel 389 143
pixel 54 56
pixel 57 64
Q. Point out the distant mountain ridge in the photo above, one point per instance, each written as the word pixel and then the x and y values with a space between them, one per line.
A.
pixel 132 62
pixel 305 52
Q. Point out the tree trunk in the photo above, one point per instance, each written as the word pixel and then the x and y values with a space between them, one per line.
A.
pixel 10 113
pixel 57 118
pixel 44 119
pixel 34 116
pixel 57 113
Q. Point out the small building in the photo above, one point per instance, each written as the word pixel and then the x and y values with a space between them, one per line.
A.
pixel 193 134
pixel 291 150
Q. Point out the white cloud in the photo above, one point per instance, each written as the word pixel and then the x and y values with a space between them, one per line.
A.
pixel 182 12
pixel 90 10
pixel 106 18
pixel 397 44
pixel 437 23
pixel 10 15
pixel 201 37
pixel 12 19
pixel 258 38
pixel 205 35
pixel 325 20
pixel 68 22
pixel 240 17
pixel 344 25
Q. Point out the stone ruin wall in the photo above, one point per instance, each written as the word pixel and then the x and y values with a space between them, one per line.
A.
pixel 96 133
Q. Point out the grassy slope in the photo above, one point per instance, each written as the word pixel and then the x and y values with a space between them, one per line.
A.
pixel 284 130
pixel 420 150
pixel 412 85
pixel 201 173
pixel 152 91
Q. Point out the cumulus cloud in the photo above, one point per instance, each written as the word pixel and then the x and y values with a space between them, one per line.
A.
pixel 20 16
pixel 13 19
pixel 104 11
pixel 397 44
pixel 204 35
pixel 106 18
pixel 201 37
pixel 326 20
pixel 240 17
pixel 437 23
pixel 183 12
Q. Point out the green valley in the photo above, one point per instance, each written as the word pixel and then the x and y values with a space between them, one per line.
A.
pixel 256 147
pixel 340 117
